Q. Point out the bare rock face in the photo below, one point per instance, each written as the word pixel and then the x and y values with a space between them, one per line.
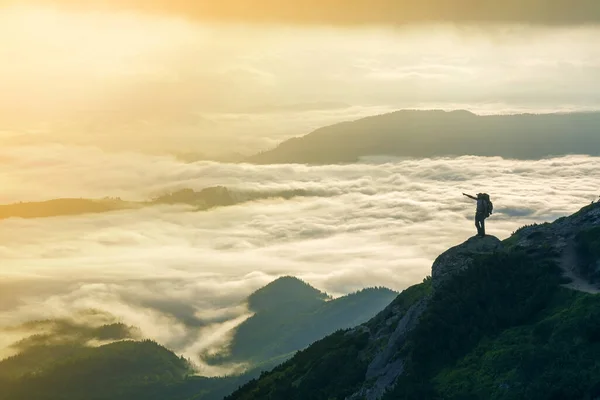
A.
pixel 461 257
pixel 386 367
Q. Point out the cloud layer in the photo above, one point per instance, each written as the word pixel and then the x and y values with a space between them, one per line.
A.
pixel 353 12
pixel 181 276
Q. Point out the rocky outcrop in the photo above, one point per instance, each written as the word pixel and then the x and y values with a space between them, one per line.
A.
pixel 386 366
pixel 461 257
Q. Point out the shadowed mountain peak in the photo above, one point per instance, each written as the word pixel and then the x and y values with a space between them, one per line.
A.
pixel 284 292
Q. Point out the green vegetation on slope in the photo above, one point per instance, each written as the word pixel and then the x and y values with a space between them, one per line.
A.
pixel 509 331
pixel 123 370
pixel 498 292
pixel 114 370
pixel 587 243
pixel 332 368
pixel 55 340
pixel 555 357
pixel 57 360
pixel 310 374
pixel 290 315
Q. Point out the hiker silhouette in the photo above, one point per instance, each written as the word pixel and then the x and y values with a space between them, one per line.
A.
pixel 484 210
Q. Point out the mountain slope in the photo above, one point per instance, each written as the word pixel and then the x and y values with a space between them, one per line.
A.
pixel 290 315
pixel 59 362
pixel 333 367
pixel 116 370
pixel 420 134
pixel 124 370
pixel 62 359
pixel 494 322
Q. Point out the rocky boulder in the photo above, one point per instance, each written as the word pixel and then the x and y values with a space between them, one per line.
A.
pixel 461 257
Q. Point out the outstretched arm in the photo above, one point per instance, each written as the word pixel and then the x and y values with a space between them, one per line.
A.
pixel 469 196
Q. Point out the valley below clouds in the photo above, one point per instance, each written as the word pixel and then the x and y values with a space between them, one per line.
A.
pixel 181 276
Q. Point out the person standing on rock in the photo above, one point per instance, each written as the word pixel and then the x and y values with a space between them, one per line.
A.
pixel 484 210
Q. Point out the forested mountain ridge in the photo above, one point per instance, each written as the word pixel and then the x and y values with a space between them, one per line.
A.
pixel 498 320
pixel 289 315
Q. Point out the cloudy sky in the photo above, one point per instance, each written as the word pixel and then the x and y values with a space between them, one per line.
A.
pixel 190 76
pixel 96 98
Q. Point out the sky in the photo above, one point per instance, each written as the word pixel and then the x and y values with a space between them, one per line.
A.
pixel 105 98
pixel 168 78
pixel 355 12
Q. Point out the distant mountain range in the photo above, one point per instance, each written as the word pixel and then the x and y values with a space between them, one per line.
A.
pixel 61 364
pixel 419 134
pixel 205 199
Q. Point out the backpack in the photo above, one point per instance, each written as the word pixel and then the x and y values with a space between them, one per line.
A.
pixel 489 206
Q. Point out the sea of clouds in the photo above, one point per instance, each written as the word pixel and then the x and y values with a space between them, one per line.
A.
pixel 181 276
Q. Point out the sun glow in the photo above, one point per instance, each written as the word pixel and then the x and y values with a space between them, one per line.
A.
pixel 165 83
